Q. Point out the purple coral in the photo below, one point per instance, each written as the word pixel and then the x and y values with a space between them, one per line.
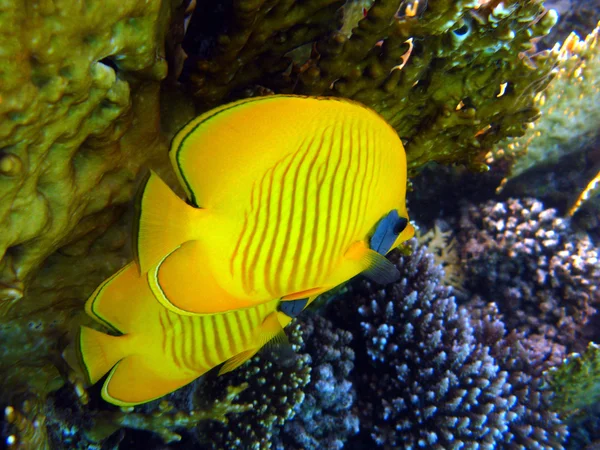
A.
pixel 427 379
pixel 542 275
pixel 324 420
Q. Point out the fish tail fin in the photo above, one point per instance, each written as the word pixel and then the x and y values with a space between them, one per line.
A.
pixel 162 222
pixel 99 352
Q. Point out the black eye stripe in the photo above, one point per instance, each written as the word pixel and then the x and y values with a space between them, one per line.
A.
pixel 400 225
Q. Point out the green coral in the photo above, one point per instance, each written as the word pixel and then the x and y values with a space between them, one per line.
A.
pixel 569 107
pixel 576 383
pixel 434 73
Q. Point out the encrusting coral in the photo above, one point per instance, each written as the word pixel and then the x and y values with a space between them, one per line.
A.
pixel 429 378
pixel 453 77
pixel 544 277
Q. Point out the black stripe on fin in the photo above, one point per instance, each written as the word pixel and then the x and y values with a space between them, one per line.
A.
pixel 137 213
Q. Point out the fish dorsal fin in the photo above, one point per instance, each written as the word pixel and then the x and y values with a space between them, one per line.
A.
pixel 237 361
pixel 387 231
pixel 162 222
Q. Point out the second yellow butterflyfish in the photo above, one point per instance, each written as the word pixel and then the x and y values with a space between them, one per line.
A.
pixel 159 351
pixel 288 196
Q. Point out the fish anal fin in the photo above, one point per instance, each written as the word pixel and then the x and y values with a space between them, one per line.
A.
pixel 99 352
pixel 134 380
pixel 200 293
pixel 163 222
pixel 236 361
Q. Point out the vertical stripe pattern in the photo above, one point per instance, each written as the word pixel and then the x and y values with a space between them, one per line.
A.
pixel 199 343
pixel 306 210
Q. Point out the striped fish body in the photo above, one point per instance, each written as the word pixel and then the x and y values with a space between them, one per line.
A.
pixel 160 351
pixel 289 188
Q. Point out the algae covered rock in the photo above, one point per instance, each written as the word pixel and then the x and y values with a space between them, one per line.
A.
pixel 78 116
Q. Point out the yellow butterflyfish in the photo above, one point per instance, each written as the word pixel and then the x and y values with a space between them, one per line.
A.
pixel 287 196
pixel 159 351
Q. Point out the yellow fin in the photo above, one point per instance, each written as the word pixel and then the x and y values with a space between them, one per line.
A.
pixel 237 361
pixel 184 284
pixel 124 302
pixel 134 381
pixel 99 352
pixel 163 222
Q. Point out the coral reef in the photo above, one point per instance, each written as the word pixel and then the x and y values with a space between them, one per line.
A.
pixel 304 404
pixel 84 105
pixel 428 378
pixel 325 419
pixel 577 381
pixel 453 77
pixel 566 135
pixel 542 275
pixel 574 16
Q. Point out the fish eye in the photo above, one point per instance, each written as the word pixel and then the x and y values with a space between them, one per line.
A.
pixel 400 225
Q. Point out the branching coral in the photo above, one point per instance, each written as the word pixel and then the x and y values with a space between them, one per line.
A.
pixel 429 379
pixel 436 73
pixel 543 277
pixel 325 419
pixel 306 403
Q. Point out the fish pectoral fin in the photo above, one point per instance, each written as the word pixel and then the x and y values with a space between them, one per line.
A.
pixel 237 361
pixel 133 381
pixel 277 347
pixel 183 283
pixel 380 269
pixel 162 222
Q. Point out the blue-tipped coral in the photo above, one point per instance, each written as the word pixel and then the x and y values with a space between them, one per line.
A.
pixel 429 379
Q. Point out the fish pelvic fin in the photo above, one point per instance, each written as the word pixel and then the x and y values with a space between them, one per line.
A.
pixel 162 222
pixel 133 381
pixel 99 352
